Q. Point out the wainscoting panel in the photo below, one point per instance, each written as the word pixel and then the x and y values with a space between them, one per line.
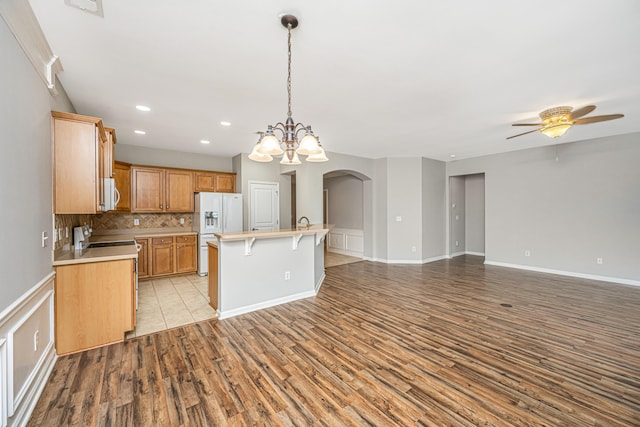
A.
pixel 28 354
pixel 346 241
pixel 3 382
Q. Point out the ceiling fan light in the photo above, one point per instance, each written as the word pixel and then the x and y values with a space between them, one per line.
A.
pixel 256 156
pixel 308 144
pixel 556 131
pixel 269 145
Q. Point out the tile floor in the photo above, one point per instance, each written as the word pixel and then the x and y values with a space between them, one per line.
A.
pixel 170 302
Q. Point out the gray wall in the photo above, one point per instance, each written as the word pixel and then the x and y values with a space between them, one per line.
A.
pixel 176 159
pixel 567 212
pixel 474 213
pixel 248 170
pixel 404 200
pixel 345 201
pixel 433 209
pixel 457 214
pixel 25 170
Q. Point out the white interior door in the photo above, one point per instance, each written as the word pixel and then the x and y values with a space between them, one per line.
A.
pixel 264 205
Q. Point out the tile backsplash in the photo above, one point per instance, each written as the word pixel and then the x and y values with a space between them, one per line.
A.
pixel 123 221
pixel 117 221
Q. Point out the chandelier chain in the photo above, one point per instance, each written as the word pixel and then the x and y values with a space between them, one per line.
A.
pixel 289 69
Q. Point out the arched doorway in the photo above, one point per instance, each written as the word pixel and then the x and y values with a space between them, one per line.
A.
pixel 344 209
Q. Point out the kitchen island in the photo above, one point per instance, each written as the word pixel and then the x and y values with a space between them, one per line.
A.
pixel 260 269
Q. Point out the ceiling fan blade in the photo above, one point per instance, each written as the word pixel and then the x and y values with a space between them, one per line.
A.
pixel 528 124
pixel 581 112
pixel 520 134
pixel 596 119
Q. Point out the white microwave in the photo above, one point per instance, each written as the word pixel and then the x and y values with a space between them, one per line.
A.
pixel 111 194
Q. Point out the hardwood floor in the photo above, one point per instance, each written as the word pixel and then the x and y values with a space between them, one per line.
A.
pixel 450 343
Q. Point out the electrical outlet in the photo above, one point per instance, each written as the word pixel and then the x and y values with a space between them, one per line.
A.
pixel 527 253
pixel 181 220
pixel 36 339
pixel 44 239
pixel 457 243
pixel 136 221
pixel 413 248
pixel 287 275
pixel 599 261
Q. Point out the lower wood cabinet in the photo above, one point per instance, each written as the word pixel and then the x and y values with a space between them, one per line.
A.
pixel 166 255
pixel 94 304
pixel 162 259
pixel 186 254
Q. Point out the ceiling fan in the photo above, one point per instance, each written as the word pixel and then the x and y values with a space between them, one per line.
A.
pixel 556 121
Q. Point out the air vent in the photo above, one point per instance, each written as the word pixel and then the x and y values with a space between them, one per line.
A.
pixel 91 6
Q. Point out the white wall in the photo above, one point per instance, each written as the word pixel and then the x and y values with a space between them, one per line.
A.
pixel 567 212
pixel 345 201
pixel 175 159
pixel 26 286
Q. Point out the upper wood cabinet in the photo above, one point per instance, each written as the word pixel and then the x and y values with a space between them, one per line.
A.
pixel 179 190
pixel 122 176
pixel 79 149
pixel 161 190
pixel 220 182
pixel 109 160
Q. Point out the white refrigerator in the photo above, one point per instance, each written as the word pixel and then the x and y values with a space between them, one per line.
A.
pixel 215 213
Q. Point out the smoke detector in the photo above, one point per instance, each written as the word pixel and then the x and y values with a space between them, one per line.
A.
pixel 90 6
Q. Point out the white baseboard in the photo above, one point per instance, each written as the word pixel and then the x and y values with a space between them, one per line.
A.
pixel 253 307
pixel 25 368
pixel 455 254
pixel 565 273
pixel 474 253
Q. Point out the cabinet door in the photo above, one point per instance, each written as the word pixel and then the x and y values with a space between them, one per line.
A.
pixel 109 160
pixel 75 168
pixel 92 304
pixel 186 254
pixel 147 189
pixel 122 176
pixel 225 183
pixel 204 181
pixel 143 258
pixel 179 196
pixel 162 261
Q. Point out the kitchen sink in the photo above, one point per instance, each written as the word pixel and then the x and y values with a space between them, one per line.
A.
pixel 110 244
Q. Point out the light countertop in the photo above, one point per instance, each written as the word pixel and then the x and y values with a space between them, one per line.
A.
pixel 313 229
pixel 113 253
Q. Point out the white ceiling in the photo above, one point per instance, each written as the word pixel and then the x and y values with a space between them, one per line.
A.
pixel 374 78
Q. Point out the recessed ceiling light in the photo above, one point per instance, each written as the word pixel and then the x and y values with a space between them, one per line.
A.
pixel 225 123
pixel 453 156
pixel 142 108
pixel 204 141
pixel 140 132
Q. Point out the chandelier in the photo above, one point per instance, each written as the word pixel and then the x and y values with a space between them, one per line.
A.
pixel 288 145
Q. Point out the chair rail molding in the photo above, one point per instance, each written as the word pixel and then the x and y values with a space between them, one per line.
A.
pixel 22 22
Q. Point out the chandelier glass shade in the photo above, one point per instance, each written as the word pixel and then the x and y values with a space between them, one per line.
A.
pixel 296 138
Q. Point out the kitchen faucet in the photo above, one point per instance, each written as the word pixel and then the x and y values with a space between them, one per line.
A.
pixel 305 218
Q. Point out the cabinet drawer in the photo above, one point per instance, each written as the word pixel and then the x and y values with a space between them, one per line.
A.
pixel 167 240
pixel 186 239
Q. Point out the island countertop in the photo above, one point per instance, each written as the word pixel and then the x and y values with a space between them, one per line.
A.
pixel 262 234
